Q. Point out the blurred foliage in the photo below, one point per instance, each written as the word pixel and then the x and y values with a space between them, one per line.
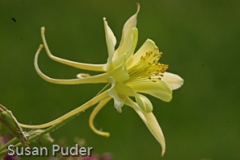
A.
pixel 199 40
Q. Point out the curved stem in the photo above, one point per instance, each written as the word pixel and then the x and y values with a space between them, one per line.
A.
pixel 69 114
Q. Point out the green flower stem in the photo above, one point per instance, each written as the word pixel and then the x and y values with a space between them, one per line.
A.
pixel 69 114
pixel 33 137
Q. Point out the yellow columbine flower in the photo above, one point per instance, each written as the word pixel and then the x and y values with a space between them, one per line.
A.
pixel 129 75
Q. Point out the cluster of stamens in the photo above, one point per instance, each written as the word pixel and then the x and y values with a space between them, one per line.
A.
pixel 148 67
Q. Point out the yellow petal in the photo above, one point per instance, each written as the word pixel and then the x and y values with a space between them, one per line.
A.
pixel 173 80
pixel 144 103
pixel 126 35
pixel 133 44
pixel 85 66
pixel 111 42
pixel 101 78
pixel 155 128
pixel 123 89
pixel 147 46
pixel 158 89
pixel 120 73
pixel 112 92
pixel 94 113
pixel 151 122
pixel 70 114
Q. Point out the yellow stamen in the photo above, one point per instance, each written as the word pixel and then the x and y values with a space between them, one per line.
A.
pixel 147 67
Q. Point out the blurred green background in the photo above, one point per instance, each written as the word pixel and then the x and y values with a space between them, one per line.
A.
pixel 200 41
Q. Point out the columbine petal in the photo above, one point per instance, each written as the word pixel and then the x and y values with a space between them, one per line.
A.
pixel 118 102
pixel 146 47
pixel 94 113
pixel 144 103
pixel 129 52
pixel 154 127
pixel 86 66
pixel 173 80
pixel 123 89
pixel 111 42
pixel 101 78
pixel 133 43
pixel 151 122
pixel 120 73
pixel 158 89
pixel 126 35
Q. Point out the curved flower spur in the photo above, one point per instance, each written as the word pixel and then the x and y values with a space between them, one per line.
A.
pixel 129 75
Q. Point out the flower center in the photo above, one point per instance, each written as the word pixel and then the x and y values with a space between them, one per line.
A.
pixel 148 67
